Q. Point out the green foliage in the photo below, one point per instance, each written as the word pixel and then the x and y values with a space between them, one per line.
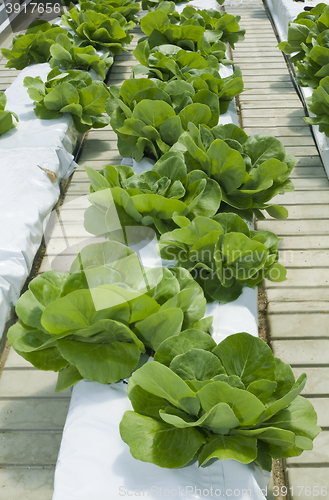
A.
pixel 314 66
pixel 99 30
pixel 189 35
pixel 223 25
pixel 72 92
pixel 43 42
pixel 97 320
pixel 250 170
pixel 66 55
pixel 319 105
pixel 223 254
pixel 6 117
pixel 169 8
pixel 149 116
pixel 150 198
pixel 34 45
pixel 170 62
pixel 127 8
pixel 209 404
pixel 308 40
pixel 306 27
pixel 155 4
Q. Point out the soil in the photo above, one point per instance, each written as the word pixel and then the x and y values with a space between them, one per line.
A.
pixel 4 356
pixel 278 466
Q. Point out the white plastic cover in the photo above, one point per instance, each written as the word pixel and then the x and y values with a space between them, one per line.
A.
pixel 284 11
pixel 32 132
pixel 27 194
pixel 197 4
pixel 94 463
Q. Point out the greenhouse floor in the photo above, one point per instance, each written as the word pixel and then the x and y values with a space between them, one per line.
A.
pixel 32 415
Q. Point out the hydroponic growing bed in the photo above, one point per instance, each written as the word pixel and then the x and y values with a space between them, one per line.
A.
pixel 79 325
pixel 284 12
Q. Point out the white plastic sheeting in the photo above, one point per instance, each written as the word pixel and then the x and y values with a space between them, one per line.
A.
pixel 27 194
pixel 31 131
pixel 94 463
pixel 282 12
pixel 198 4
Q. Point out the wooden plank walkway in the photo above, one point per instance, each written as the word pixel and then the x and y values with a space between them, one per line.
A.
pixel 7 75
pixel 298 308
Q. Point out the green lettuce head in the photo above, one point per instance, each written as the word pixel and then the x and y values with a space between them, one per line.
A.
pixel 230 401
pixel 223 254
pixel 96 321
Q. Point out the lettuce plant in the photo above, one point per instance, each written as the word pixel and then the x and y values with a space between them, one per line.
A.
pixel 66 55
pixel 97 320
pixel 72 92
pixel 210 404
pixel 315 64
pixel 189 36
pixel 168 7
pixel 34 45
pixel 99 30
pixel 167 62
pixel 250 170
pixel 127 8
pixel 224 25
pixel 43 42
pixel 223 253
pixel 306 27
pixel 149 116
pixel 155 4
pixel 318 104
pixel 170 62
pixel 151 198
pixel 6 116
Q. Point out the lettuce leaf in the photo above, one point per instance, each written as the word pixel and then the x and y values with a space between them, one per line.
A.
pixel 71 92
pixel 6 116
pixel 250 170
pixel 151 198
pixel 230 417
pixel 96 321
pixel 224 254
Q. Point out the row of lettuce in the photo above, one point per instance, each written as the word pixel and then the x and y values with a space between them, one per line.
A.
pixel 308 45
pixel 103 319
pixel 86 39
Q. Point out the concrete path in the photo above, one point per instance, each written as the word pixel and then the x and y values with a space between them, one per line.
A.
pixel 298 308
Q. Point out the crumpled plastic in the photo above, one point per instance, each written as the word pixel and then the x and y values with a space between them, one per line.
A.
pixel 27 193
